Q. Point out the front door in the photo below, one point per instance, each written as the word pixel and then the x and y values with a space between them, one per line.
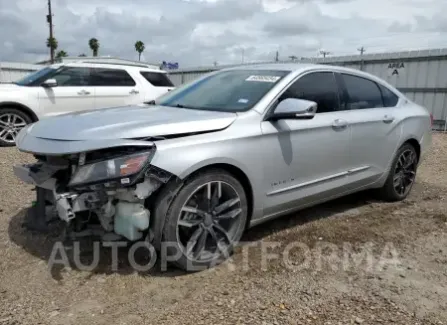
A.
pixel 306 160
pixel 73 92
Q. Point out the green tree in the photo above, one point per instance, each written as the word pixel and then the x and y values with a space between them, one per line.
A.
pixel 139 47
pixel 61 54
pixel 94 46
pixel 52 43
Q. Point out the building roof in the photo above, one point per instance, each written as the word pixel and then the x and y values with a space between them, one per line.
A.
pixel 419 54
pixel 19 66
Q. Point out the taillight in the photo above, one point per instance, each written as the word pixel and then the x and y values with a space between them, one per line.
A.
pixel 431 119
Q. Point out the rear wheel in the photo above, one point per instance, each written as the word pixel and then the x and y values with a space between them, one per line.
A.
pixel 402 174
pixel 11 122
pixel 205 220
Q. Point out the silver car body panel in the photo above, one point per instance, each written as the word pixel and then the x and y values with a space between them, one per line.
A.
pixel 290 164
pixel 129 122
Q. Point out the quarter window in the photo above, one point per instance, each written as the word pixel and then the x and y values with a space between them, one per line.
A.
pixel 362 93
pixel 72 77
pixel 112 78
pixel 389 98
pixel 157 79
pixel 320 87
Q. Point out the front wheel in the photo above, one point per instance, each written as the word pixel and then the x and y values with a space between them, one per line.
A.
pixel 205 220
pixel 11 122
pixel 402 174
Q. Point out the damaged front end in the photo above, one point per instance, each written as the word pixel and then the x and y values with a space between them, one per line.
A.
pixel 103 192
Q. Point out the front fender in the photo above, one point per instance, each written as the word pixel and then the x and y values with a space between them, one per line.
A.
pixel 182 157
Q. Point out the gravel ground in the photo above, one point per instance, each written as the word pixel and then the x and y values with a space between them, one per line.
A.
pixel 328 279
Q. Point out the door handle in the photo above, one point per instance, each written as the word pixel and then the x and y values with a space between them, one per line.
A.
pixel 339 124
pixel 388 119
pixel 134 92
pixel 83 92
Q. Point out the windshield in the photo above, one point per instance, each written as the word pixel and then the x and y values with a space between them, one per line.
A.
pixel 228 91
pixel 31 78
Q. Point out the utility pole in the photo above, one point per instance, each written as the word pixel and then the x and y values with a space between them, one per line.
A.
pixel 362 63
pixel 50 23
pixel 277 56
pixel 324 53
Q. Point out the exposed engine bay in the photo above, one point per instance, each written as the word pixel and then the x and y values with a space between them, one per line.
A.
pixel 105 188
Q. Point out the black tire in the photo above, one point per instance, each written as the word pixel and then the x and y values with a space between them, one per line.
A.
pixel 390 192
pixel 171 235
pixel 3 116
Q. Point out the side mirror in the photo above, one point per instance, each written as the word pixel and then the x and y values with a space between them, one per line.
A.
pixel 292 108
pixel 49 83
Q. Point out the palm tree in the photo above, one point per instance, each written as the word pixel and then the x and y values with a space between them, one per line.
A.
pixel 94 46
pixel 139 47
pixel 61 54
pixel 52 43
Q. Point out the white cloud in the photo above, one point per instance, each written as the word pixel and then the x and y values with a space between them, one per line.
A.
pixel 199 32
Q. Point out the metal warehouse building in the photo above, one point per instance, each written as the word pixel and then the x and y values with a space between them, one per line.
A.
pixel 420 75
pixel 12 71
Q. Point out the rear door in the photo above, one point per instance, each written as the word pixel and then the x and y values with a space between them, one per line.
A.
pixel 73 92
pixel 375 129
pixel 115 87
pixel 159 82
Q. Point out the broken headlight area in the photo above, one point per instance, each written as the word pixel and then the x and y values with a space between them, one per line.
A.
pixel 122 169
pixel 88 192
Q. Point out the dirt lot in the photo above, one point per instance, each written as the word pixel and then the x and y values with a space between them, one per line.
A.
pixel 331 282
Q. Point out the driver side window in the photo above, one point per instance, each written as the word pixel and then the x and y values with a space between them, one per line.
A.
pixel 72 77
pixel 319 87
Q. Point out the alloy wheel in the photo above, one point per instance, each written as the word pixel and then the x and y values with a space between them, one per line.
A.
pixel 208 221
pixel 405 172
pixel 10 126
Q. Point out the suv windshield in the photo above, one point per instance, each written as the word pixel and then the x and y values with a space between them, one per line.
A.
pixel 228 91
pixel 29 79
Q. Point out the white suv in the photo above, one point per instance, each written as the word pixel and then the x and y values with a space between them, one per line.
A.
pixel 73 87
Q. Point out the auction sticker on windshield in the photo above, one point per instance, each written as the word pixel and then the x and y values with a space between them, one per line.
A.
pixel 263 78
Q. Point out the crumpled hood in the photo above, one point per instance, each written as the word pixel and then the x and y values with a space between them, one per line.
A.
pixel 129 122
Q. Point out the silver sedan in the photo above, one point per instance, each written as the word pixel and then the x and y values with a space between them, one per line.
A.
pixel 231 150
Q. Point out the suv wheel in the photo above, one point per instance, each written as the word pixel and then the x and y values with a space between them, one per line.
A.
pixel 11 122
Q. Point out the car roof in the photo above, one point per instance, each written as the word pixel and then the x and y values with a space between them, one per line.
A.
pixel 298 68
pixel 109 65
pixel 274 66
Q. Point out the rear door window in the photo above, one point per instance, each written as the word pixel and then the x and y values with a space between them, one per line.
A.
pixel 157 79
pixel 362 93
pixel 112 78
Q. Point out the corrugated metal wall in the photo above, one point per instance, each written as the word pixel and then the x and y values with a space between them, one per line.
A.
pixel 420 75
pixel 12 71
